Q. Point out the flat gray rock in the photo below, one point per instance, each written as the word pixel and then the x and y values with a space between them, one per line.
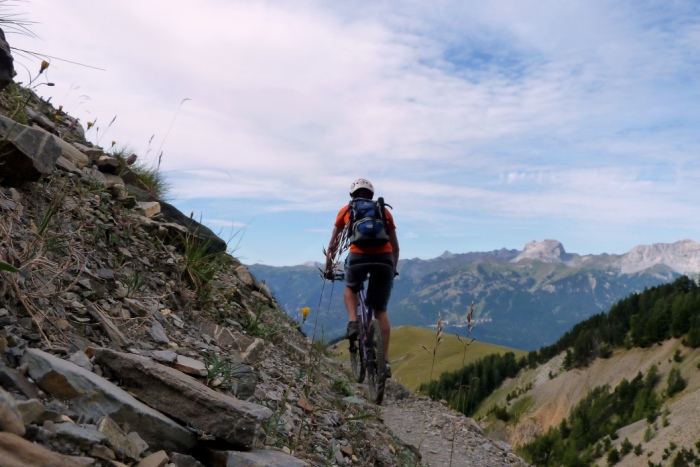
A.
pixel 92 396
pixel 186 399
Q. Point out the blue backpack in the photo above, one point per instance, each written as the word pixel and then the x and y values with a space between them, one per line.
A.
pixel 367 222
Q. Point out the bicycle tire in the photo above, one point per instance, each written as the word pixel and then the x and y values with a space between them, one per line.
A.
pixel 356 361
pixel 376 367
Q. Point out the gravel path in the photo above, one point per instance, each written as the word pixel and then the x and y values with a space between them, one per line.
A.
pixel 430 426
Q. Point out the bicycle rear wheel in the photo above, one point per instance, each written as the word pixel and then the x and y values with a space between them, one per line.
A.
pixel 376 366
pixel 356 361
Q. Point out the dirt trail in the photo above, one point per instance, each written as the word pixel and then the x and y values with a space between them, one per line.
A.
pixel 431 427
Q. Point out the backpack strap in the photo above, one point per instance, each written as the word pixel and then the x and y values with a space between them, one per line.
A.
pixel 382 208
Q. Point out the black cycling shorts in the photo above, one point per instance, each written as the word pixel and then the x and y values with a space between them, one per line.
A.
pixel 380 268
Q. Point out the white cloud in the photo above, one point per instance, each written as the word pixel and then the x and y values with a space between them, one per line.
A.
pixel 520 110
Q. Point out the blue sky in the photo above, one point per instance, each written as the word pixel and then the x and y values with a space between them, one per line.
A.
pixel 484 124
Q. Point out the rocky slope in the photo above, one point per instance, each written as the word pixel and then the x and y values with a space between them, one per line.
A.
pixel 548 393
pixel 130 337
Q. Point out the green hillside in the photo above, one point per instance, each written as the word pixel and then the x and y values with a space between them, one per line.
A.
pixel 411 363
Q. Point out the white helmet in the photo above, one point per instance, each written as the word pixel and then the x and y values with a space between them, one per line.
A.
pixel 361 183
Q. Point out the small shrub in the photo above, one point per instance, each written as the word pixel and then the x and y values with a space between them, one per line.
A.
pixel 648 434
pixel 200 265
pixel 638 449
pixel 625 447
pixel 219 371
pixel 677 357
pixel 613 457
pixel 500 413
pixel 675 382
pixel 605 351
pixel 340 386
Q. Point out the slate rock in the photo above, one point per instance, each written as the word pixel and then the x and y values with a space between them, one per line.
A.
pixel 157 459
pixel 254 458
pixel 31 410
pixel 18 452
pixel 28 153
pixel 183 460
pixel 92 396
pixel 81 359
pixel 81 436
pixel 157 333
pixel 184 398
pixel 16 381
pixel 118 440
pixel 93 153
pixel 71 153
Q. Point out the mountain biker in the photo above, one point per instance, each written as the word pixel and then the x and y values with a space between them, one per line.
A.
pixel 377 261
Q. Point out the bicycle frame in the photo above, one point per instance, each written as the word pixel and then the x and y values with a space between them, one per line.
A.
pixel 365 314
pixel 371 358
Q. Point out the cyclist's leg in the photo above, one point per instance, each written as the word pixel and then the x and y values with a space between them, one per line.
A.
pixel 355 275
pixel 384 324
pixel 352 300
pixel 381 280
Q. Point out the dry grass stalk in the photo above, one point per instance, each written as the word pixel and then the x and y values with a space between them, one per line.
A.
pixel 467 342
pixel 438 341
pixel 343 243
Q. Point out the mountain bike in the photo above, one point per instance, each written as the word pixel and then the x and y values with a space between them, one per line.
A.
pixel 367 351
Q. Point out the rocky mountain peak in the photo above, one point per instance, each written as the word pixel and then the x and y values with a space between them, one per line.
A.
pixel 682 256
pixel 548 251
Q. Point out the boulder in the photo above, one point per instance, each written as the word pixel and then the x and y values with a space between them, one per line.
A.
pixel 93 397
pixel 28 153
pixel 184 398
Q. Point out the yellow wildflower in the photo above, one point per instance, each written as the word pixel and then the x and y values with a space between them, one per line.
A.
pixel 57 117
pixel 113 143
pixel 44 66
pixel 89 125
pixel 305 313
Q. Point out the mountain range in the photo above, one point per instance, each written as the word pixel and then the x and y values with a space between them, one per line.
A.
pixel 524 299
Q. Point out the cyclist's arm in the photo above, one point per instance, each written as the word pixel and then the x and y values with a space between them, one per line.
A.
pixel 393 239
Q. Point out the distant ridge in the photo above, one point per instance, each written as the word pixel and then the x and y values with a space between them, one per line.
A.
pixel 682 257
pixel 524 299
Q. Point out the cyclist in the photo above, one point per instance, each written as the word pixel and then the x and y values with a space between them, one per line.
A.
pixel 377 261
